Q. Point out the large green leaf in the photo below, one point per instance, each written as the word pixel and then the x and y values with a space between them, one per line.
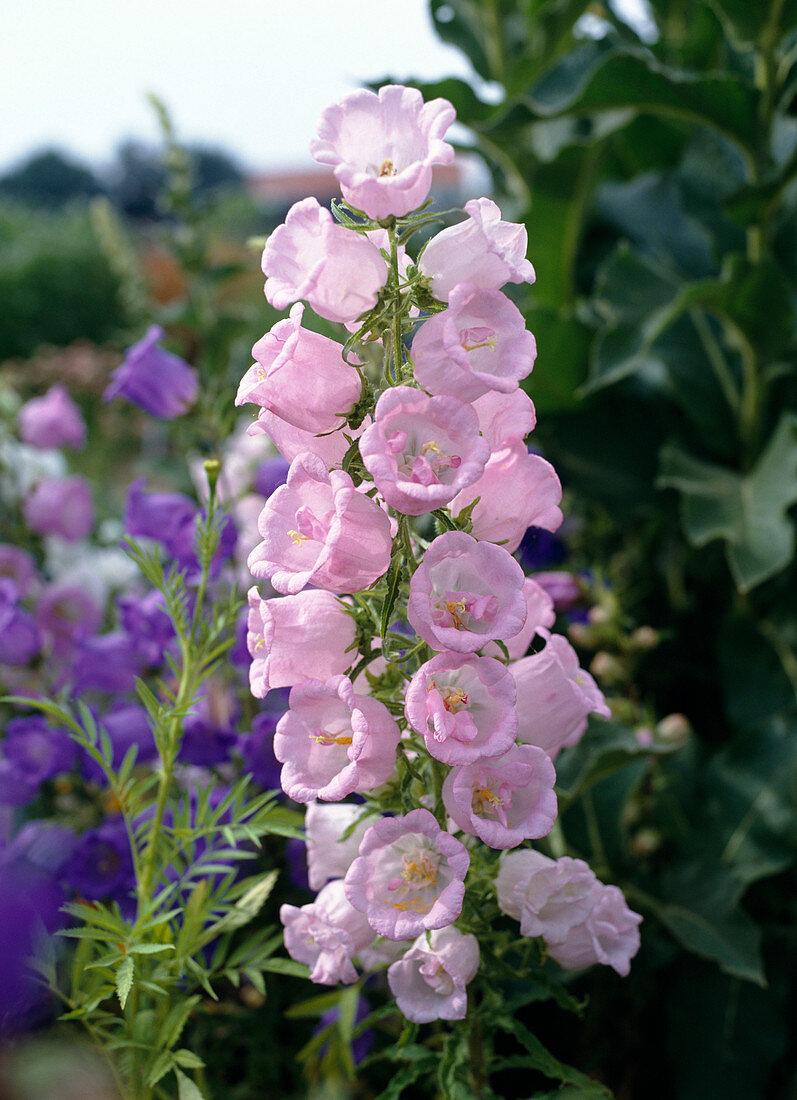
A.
pixel 745 21
pixel 748 511
pixel 601 77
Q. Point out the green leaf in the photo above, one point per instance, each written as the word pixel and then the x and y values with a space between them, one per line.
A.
pixel 540 1058
pixel 746 20
pixel 187 1059
pixel 601 77
pixel 149 948
pixel 248 906
pixel 393 582
pixel 124 979
pixel 286 966
pixel 748 511
pixel 186 1089
pixel 605 748
pixel 163 1063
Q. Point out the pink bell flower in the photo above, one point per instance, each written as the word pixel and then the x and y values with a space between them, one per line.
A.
pixel 338 272
pixel 505 418
pixel 332 742
pixel 478 345
pixel 463 706
pixel 301 376
pixel 554 696
pixel 482 250
pixel 547 896
pixel 540 615
pixel 466 593
pixel 61 506
pixel 291 441
pixel 409 876
pixel 517 490
pixel 53 420
pixel 421 451
pixel 382 147
pixel 429 981
pixel 318 529
pixel 326 935
pixel 506 800
pixel 609 935
pixel 328 855
pixel 293 637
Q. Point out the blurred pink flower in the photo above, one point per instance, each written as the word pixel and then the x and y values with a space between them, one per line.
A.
pixel 53 420
pixel 326 934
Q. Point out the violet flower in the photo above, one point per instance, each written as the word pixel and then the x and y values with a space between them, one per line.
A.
pixel 160 383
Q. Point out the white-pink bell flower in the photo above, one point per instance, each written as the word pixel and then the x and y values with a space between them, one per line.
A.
pixel 478 345
pixel 332 742
pixel 483 250
pixel 504 800
pixel 318 529
pixel 382 147
pixel 310 257
pixel 293 637
pixel 429 981
pixel 301 376
pixel 291 441
pixel 518 490
pixel 609 935
pixel 540 615
pixel 326 935
pixel 505 418
pixel 555 695
pixel 328 855
pixel 547 896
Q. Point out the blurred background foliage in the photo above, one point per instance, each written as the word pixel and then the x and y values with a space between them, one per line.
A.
pixel 653 158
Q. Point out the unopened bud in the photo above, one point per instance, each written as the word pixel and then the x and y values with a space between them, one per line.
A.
pixel 675 728
pixel 645 842
pixel 212 468
pixel 580 634
pixel 644 637
pixel 599 615
pixel 606 667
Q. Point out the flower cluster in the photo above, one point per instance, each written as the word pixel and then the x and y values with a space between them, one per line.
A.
pixel 409 489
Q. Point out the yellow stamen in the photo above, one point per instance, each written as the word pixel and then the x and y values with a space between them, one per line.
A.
pixel 430 445
pixel 490 343
pixel 325 738
pixel 296 538
pixel 455 608
pixel 386 168
pixel 454 699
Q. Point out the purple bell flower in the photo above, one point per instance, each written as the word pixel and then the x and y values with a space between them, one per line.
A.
pixel 53 420
pixel 101 865
pixel 32 752
pixel 160 383
pixel 147 621
pixel 66 614
pixel 20 639
pixel 18 566
pixel 270 475
pixel 108 662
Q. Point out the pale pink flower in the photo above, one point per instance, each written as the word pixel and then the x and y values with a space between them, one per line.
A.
pixel 61 506
pixel 609 935
pixel 326 934
pixel 464 706
pixel 52 420
pixel 506 800
pixel 293 637
pixel 301 376
pixel 554 696
pixel 421 451
pixel 382 147
pixel 479 344
pixel 429 981
pixel 482 250
pixel 291 441
pixel 318 529
pixel 518 490
pixel 332 742
pixel 505 418
pixel 466 593
pixel 547 896
pixel 337 271
pixel 409 876
pixel 540 615
pixel 328 855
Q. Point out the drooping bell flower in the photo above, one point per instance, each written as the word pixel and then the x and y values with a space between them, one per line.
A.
pixel 301 377
pixel 53 420
pixel 156 380
pixel 326 935
pixel 382 147
pixel 312 258
pixel 318 529
pixel 483 250
pixel 429 981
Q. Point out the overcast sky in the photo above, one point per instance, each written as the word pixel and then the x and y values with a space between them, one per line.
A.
pixel 249 75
